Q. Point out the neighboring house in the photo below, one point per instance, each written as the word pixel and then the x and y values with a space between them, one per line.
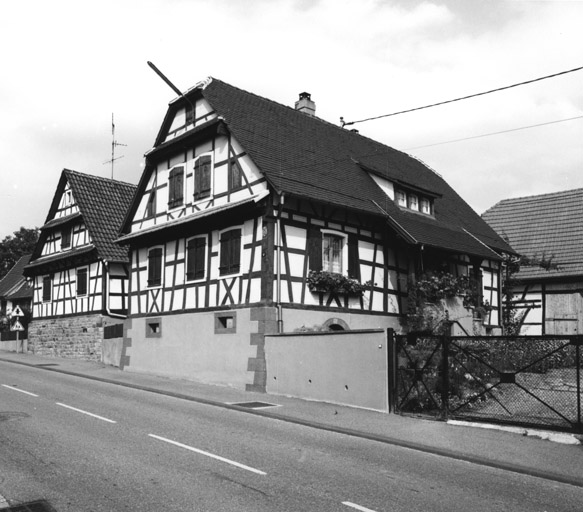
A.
pixel 242 198
pixel 79 275
pixel 547 229
pixel 15 291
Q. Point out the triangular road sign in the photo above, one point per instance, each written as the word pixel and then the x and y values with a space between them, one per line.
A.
pixel 17 312
pixel 17 326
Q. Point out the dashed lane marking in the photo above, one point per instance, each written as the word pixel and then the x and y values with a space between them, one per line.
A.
pixel 207 454
pixel 87 413
pixel 19 390
pixel 357 507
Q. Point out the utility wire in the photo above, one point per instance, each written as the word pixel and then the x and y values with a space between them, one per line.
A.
pixel 494 133
pixel 462 98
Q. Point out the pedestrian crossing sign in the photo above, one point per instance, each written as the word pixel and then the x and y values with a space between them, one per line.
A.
pixel 17 326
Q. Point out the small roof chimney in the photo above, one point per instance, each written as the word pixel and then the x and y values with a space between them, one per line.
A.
pixel 305 104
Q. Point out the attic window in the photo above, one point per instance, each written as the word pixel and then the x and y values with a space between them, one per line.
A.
pixel 414 201
pixel 176 187
pixel 66 238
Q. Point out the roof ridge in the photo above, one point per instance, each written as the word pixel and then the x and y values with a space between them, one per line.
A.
pixel 540 196
pixel 98 178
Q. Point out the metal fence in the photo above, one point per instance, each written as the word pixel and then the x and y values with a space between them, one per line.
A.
pixel 533 381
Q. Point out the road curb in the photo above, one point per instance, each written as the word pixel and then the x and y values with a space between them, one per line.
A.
pixel 442 452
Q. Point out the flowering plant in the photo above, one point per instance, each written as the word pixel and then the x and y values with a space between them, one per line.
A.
pixel 322 281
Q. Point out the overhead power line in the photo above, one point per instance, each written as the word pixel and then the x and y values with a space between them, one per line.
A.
pixel 461 98
pixel 494 133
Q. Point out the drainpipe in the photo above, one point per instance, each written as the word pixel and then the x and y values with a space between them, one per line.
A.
pixel 106 298
pixel 279 242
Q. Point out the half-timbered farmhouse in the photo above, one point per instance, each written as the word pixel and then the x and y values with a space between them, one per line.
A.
pixel 547 231
pixel 252 217
pixel 79 275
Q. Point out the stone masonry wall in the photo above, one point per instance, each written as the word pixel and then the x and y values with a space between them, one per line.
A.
pixel 73 337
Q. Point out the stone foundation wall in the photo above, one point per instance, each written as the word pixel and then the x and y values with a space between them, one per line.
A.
pixel 74 337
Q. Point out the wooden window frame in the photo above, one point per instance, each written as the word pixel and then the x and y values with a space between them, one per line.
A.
pixel 235 178
pixel 82 270
pixel 151 204
pixel 230 251
pixel 176 184
pixel 203 183
pixel 195 261
pixel 155 281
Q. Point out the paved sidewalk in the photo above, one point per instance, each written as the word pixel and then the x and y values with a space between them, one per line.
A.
pixel 518 452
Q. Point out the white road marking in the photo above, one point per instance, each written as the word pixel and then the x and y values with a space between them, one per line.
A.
pixel 357 507
pixel 87 413
pixel 19 390
pixel 211 455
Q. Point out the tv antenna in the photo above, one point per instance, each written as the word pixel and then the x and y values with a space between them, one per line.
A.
pixel 114 144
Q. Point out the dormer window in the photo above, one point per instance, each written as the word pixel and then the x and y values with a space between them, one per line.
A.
pixel 414 201
pixel 402 198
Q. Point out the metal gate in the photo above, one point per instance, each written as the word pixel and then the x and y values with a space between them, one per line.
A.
pixel 532 381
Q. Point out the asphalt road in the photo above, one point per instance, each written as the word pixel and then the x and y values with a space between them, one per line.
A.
pixel 83 445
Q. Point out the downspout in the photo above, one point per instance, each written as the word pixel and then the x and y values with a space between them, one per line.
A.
pixel 279 242
pixel 106 298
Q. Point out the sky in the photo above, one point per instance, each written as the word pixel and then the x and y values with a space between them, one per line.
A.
pixel 67 66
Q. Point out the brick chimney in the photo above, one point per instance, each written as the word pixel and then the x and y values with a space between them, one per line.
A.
pixel 305 104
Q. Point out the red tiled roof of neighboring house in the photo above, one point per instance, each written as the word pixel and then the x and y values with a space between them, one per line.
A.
pixel 308 157
pixel 102 204
pixel 548 226
pixel 14 281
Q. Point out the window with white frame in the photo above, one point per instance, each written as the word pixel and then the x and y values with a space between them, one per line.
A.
pixel 413 201
pixel 203 177
pixel 334 252
pixel 155 266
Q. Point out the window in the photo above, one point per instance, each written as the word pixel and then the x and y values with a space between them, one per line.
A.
pixel 230 260
pixel 425 206
pixel 151 204
pixel 153 327
pixel 47 288
pixel 176 187
pixel 234 175
pixel 155 267
pixel 81 282
pixel 190 115
pixel 226 323
pixel 401 198
pixel 66 238
pixel 202 177
pixel 332 252
pixel 195 258
pixel 413 202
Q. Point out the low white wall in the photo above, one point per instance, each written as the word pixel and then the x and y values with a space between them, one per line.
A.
pixel 349 367
pixel 14 346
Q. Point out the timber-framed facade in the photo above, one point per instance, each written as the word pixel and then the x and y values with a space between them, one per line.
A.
pixel 79 276
pixel 244 202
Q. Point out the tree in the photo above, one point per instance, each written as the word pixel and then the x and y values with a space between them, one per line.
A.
pixel 14 246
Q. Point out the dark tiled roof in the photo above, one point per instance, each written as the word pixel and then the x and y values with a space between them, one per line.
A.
pixel 548 225
pixel 309 157
pixel 102 204
pixel 14 277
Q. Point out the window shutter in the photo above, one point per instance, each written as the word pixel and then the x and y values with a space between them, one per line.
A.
pixel 230 252
pixel 155 267
pixel 47 288
pixel 353 263
pixel 195 258
pixel 234 175
pixel 151 205
pixel 314 247
pixel 82 281
pixel 176 187
pixel 202 177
